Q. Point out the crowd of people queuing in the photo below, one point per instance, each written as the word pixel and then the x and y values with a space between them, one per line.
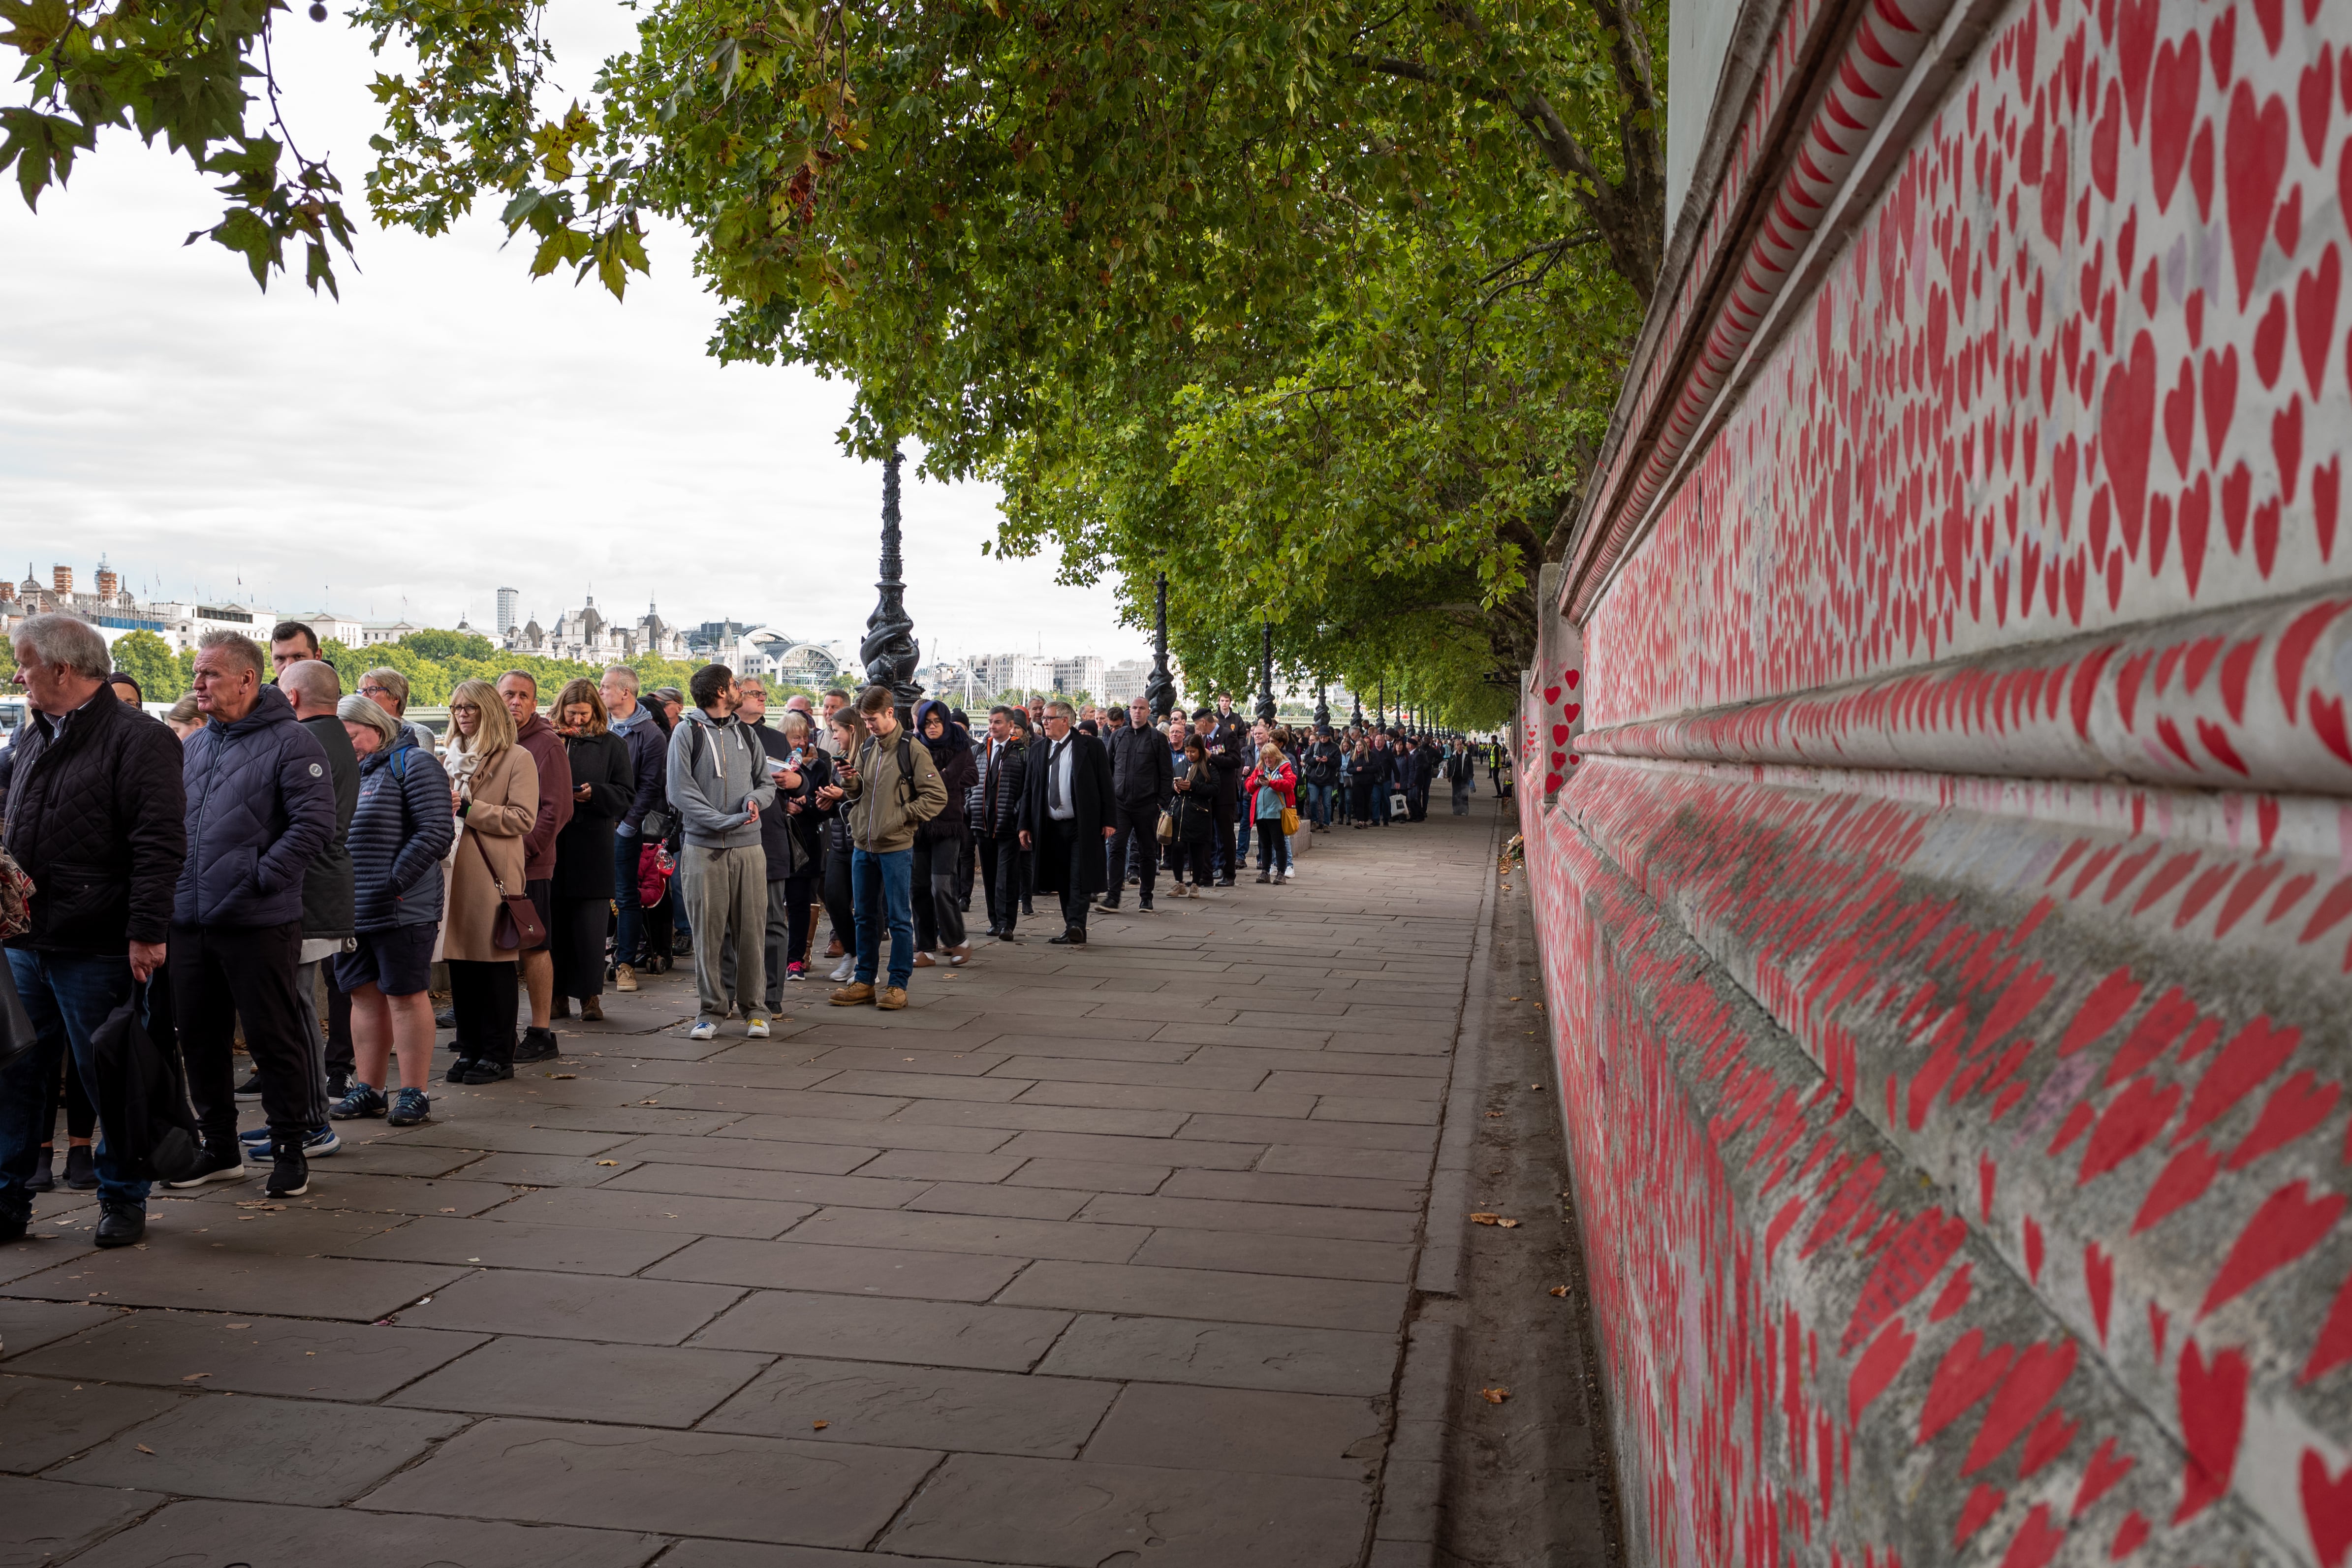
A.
pixel 276 838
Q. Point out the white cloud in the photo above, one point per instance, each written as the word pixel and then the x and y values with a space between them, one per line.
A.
pixel 449 426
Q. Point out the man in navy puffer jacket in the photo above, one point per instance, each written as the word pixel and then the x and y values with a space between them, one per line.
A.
pixel 260 807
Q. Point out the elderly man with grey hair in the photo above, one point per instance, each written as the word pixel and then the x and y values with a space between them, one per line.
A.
pixel 96 816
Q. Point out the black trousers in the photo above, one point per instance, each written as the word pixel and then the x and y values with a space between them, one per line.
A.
pixel 224 974
pixel 1138 827
pixel 839 905
pixel 1228 815
pixel 1066 851
pixel 575 940
pixel 482 994
pixel 938 908
pixel 1000 875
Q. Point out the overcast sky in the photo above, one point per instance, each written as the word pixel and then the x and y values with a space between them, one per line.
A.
pixel 450 427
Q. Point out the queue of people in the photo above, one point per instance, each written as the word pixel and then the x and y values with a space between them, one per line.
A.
pixel 276 838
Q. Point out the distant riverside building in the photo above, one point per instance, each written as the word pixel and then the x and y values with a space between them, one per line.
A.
pixel 507 599
pixel 585 635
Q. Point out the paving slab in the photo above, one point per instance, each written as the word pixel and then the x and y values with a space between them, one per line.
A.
pixel 905 1406
pixel 666 1212
pixel 28 1325
pixel 1220 1295
pixel 42 1521
pixel 298 1357
pixel 865 1328
pixel 520 1244
pixel 1224 1355
pixel 199 1534
pixel 642 1385
pixel 306 1286
pixel 767 1186
pixel 971 1233
pixel 1176 1427
pixel 796 1265
pixel 262 1451
pixel 1075 1514
pixel 573 1306
pixel 734 1486
pixel 43 1420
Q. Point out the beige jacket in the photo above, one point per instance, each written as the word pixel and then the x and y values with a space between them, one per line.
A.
pixel 503 792
pixel 882 813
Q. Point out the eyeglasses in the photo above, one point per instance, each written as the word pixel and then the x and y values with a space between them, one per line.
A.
pixel 464 708
pixel 375 690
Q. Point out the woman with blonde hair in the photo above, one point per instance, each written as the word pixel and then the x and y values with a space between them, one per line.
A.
pixel 1271 789
pixel 495 794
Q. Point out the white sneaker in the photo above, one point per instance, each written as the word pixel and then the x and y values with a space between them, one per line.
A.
pixel 704 1030
pixel 757 1028
pixel 845 969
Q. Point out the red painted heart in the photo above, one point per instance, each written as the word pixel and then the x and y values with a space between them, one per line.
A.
pixel 2270 341
pixel 2327 1508
pixel 2127 418
pixel 2314 316
pixel 2135 48
pixel 2212 1420
pixel 2173 96
pixel 2253 159
pixel 2220 389
pixel 2180 416
pixel 2315 98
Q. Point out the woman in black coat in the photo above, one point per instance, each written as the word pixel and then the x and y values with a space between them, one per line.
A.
pixel 603 781
pixel 939 843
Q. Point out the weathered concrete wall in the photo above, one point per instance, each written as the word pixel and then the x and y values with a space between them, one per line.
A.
pixel 1938 799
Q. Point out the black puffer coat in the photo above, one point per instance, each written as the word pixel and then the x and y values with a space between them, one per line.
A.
pixel 98 818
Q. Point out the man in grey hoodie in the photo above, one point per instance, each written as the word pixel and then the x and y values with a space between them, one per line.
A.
pixel 719 785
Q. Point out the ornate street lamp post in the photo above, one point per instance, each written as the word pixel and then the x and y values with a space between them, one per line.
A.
pixel 1160 690
pixel 889 652
pixel 1265 709
pixel 1322 709
pixel 1358 720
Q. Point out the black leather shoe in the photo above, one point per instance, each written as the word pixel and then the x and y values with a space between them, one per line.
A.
pixel 13 1228
pixel 1074 937
pixel 120 1224
pixel 458 1070
pixel 1144 903
pixel 481 1071
pixel 1110 902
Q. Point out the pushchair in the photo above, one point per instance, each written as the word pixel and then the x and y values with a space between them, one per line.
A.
pixel 656 872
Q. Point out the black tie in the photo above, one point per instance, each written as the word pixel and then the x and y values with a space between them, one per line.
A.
pixel 1054 776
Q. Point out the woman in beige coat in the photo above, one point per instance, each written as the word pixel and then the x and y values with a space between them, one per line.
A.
pixel 495 793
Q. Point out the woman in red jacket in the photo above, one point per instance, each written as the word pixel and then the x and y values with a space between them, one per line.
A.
pixel 1271 788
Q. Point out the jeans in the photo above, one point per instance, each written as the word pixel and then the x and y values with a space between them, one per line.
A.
pixel 727 896
pixel 1462 798
pixel 630 932
pixel 1315 803
pixel 882 886
pixel 67 997
pixel 1273 846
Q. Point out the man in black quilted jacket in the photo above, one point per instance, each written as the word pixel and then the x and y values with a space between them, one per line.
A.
pixel 95 817
pixel 261 807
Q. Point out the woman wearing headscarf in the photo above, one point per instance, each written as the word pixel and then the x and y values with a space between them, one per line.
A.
pixel 939 843
pixel 495 793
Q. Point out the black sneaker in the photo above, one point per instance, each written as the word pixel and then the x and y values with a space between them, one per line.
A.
pixel 13 1228
pixel 361 1100
pixel 538 1045
pixel 81 1168
pixel 251 1088
pixel 217 1166
pixel 339 1083
pixel 120 1224
pixel 289 1173
pixel 481 1071
pixel 1144 903
pixel 446 1018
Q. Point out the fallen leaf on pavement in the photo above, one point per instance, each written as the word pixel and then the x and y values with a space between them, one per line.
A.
pixel 1492 1114
pixel 1486 1219
pixel 559 1075
pixel 1559 1289
pixel 820 1426
pixel 608 1162
pixel 195 1377
pixel 1494 1395
pixel 448 1211
pixel 145 1448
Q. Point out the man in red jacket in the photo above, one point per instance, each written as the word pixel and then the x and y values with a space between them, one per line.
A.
pixel 537 736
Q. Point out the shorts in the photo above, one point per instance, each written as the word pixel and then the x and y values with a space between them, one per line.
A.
pixel 542 899
pixel 397 961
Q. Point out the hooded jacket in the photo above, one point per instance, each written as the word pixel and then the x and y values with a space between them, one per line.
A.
pixel 260 807
pixel 97 819
pixel 327 885
pixel 648 763
pixel 400 833
pixel 716 766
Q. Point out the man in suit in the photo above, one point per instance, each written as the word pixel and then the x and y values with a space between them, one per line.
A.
pixel 1224 741
pixel 997 825
pixel 1143 785
pixel 1066 816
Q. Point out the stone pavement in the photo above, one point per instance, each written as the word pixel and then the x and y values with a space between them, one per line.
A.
pixel 1087 1258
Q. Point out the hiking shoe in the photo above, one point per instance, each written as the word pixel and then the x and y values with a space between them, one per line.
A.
pixel 251 1088
pixel 120 1222
pixel 591 1009
pixel 483 1070
pixel 704 1030
pixel 925 961
pixel 320 1141
pixel 624 978
pixel 844 971
pixel 409 1107
pixel 852 994
pixel 755 1027
pixel 81 1168
pixel 362 1100
pixel 891 998
pixel 289 1173
pixel 538 1045
pixel 217 1166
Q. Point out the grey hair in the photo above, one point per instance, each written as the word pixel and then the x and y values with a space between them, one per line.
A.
pixel 236 645
pixel 793 719
pixel 67 642
pixel 625 675
pixel 358 709
pixel 394 684
pixel 1063 708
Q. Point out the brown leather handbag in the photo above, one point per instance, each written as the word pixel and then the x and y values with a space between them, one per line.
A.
pixel 518 925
